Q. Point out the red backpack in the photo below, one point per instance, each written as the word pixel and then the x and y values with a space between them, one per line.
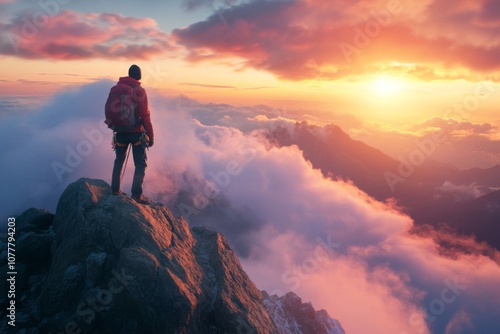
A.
pixel 120 109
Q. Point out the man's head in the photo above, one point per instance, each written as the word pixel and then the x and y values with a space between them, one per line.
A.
pixel 134 72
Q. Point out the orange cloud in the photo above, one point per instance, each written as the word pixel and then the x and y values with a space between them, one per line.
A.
pixel 70 35
pixel 311 39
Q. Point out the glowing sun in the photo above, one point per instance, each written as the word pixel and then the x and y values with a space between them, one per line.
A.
pixel 385 85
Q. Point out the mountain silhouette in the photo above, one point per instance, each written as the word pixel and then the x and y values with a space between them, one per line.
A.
pixel 484 212
pixel 419 190
pixel 106 264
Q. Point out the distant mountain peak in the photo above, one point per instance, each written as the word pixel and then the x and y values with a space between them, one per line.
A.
pixel 424 189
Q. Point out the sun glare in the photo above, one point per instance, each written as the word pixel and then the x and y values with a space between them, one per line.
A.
pixel 385 85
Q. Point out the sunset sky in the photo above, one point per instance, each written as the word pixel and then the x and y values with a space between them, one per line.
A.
pixel 392 61
pixel 390 73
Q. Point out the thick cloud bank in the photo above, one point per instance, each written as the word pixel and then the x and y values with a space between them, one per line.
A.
pixel 306 39
pixel 293 228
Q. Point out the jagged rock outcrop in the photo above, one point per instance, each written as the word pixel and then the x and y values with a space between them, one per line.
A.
pixel 291 316
pixel 105 264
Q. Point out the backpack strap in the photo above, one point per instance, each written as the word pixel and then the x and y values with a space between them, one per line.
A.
pixel 139 119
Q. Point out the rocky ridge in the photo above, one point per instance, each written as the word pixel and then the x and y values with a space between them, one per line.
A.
pixel 105 264
pixel 294 317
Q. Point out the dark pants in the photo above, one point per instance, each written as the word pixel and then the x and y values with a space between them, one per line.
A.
pixel 140 158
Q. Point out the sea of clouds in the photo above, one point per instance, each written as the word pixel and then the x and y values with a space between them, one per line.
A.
pixel 292 228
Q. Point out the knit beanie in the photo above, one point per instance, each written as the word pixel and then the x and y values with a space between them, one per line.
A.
pixel 134 72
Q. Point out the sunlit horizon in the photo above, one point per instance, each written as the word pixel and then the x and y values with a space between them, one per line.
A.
pixel 345 148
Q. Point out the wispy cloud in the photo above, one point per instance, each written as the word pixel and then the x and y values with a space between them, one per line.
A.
pixel 466 144
pixel 465 191
pixel 455 128
pixel 206 85
pixel 66 74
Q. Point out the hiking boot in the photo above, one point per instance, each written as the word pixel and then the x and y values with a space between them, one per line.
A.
pixel 141 199
pixel 118 193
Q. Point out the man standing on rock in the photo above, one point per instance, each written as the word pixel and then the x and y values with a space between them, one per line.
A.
pixel 128 97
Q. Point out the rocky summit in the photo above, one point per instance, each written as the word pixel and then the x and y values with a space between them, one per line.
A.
pixel 106 264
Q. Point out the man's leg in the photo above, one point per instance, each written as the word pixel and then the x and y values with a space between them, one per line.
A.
pixel 140 161
pixel 121 153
